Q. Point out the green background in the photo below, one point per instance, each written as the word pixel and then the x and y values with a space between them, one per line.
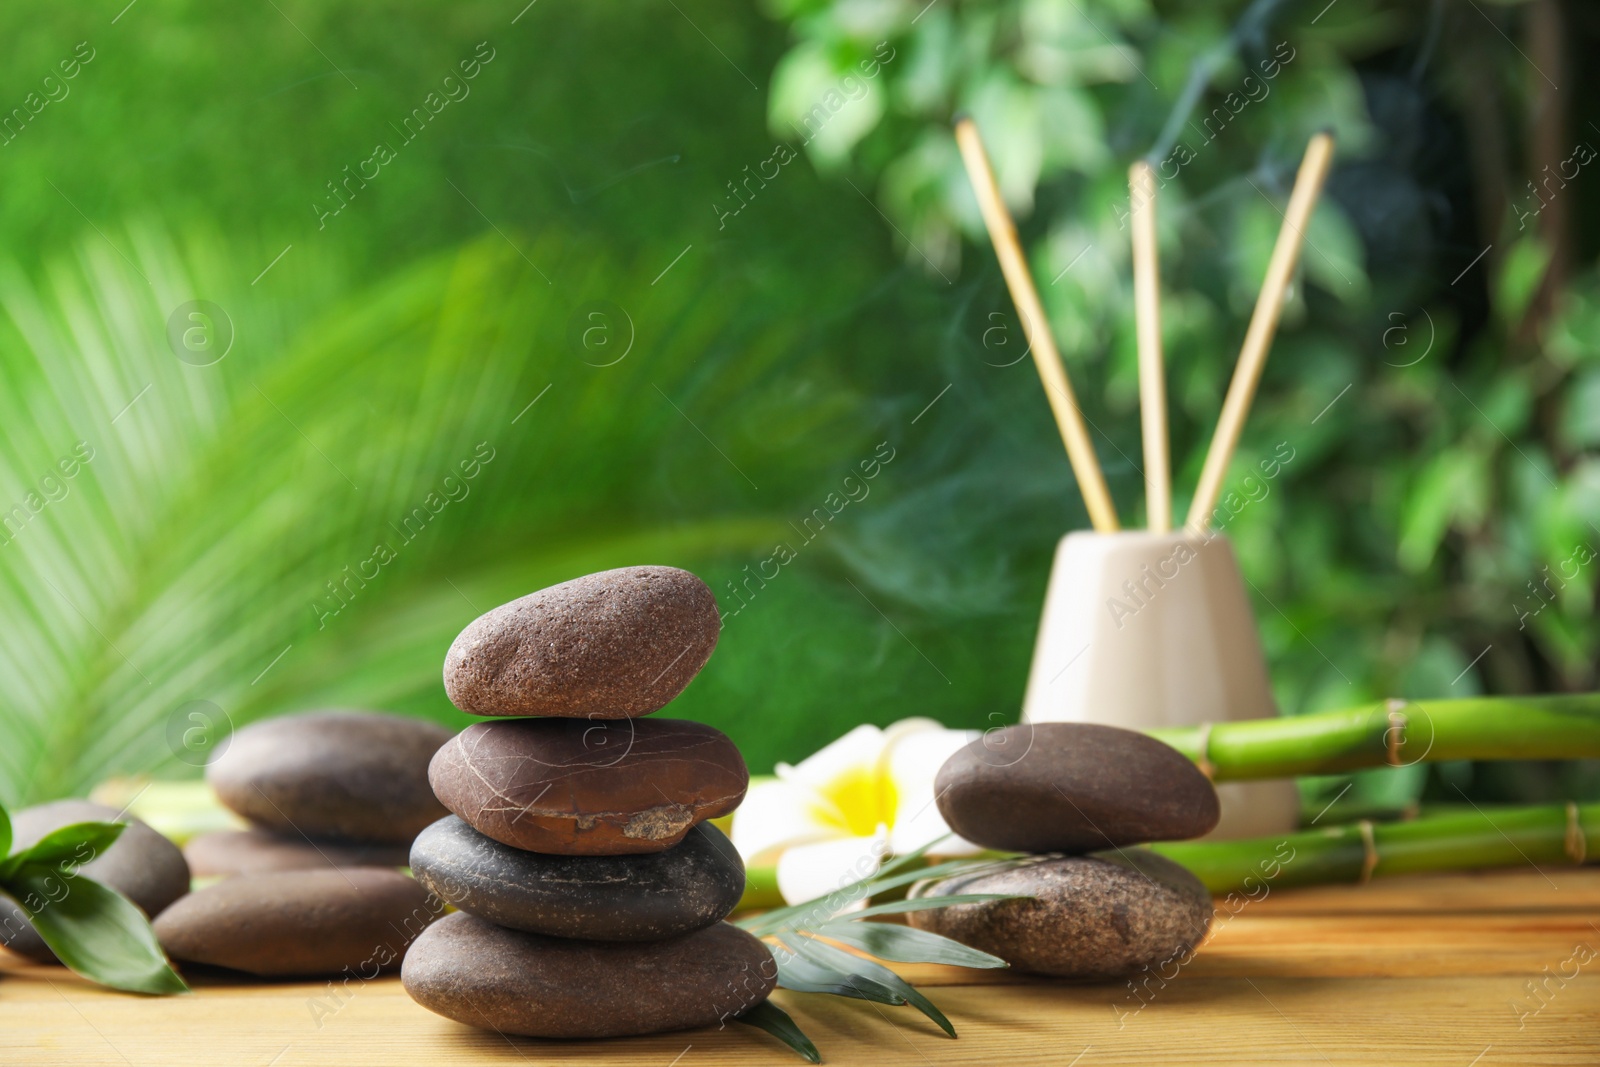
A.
pixel 1443 406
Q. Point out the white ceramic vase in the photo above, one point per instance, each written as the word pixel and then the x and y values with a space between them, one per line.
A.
pixel 1144 630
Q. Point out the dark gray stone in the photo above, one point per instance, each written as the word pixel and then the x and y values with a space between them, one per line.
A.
pixel 610 645
pixel 347 775
pixel 1090 916
pixel 484 975
pixel 229 852
pixel 358 921
pixel 573 787
pixel 600 898
pixel 1072 787
pixel 140 864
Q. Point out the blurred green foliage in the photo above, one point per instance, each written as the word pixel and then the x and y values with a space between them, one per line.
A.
pixel 785 318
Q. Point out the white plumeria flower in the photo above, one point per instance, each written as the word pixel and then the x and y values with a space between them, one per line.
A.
pixel 828 821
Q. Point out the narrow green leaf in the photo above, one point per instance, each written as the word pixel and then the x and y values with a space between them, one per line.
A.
pixel 900 907
pixel 5 832
pixel 804 972
pixel 891 941
pixel 941 870
pixel 876 974
pixel 93 930
pixel 811 914
pixel 905 859
pixel 777 1022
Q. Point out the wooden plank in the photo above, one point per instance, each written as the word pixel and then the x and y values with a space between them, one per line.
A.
pixel 1318 980
pixel 60 1022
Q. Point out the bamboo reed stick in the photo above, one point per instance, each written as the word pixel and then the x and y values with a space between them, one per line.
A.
pixel 1263 324
pixel 1052 372
pixel 1548 835
pixel 1152 375
pixel 1396 733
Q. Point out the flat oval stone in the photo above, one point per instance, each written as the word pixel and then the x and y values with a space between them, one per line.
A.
pixel 1091 916
pixel 610 645
pixel 484 975
pixel 576 787
pixel 352 775
pixel 1072 787
pixel 650 897
pixel 301 923
pixel 140 864
pixel 229 852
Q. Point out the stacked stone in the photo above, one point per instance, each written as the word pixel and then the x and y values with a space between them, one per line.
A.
pixel 333 799
pixel 591 889
pixel 1062 791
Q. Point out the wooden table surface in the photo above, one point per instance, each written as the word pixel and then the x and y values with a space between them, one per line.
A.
pixel 1429 970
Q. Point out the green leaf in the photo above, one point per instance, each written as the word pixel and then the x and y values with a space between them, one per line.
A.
pixel 72 845
pixel 775 1021
pixel 863 971
pixel 777 919
pixel 905 944
pixel 79 842
pixel 1520 274
pixel 900 907
pixel 5 832
pixel 803 972
pixel 93 930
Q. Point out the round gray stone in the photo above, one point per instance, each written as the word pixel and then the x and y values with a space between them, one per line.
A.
pixel 1072 787
pixel 647 897
pixel 474 972
pixel 347 775
pixel 616 644
pixel 140 864
pixel 225 853
pixel 1090 916
pixel 358 921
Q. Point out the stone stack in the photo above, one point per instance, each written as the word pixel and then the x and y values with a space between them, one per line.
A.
pixel 590 886
pixel 1062 791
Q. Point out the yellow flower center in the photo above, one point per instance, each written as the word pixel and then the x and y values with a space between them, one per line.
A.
pixel 859 801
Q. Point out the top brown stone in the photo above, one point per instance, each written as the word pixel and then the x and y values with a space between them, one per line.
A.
pixel 611 645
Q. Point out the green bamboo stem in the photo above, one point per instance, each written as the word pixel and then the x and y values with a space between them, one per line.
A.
pixel 1395 733
pixel 1543 835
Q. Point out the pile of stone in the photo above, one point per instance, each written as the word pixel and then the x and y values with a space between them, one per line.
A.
pixel 1061 791
pixel 591 888
pixel 333 799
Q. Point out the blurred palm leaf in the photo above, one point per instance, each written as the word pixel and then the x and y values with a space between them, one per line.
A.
pixel 187 556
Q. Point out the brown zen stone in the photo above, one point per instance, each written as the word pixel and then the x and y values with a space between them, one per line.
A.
pixel 300 923
pixel 1072 787
pixel 474 972
pixel 141 864
pixel 1089 917
pixel 225 853
pixel 583 788
pixel 347 775
pixel 611 645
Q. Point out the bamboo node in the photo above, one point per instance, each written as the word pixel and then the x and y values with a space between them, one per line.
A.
pixel 1576 843
pixel 1369 849
pixel 1395 736
pixel 1203 759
